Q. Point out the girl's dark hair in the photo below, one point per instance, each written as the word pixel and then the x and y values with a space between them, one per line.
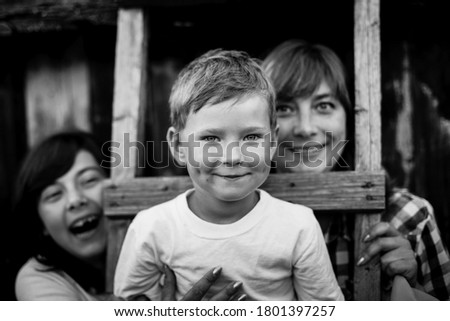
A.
pixel 44 164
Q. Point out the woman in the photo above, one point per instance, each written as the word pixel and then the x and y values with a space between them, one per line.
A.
pixel 315 118
pixel 63 232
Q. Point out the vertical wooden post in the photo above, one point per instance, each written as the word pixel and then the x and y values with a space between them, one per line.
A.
pixel 130 82
pixel 367 129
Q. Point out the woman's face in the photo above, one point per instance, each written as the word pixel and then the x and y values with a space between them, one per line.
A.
pixel 312 132
pixel 71 209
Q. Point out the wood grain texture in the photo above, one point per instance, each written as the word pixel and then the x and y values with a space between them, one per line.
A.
pixel 336 191
pixel 41 16
pixel 117 229
pixel 167 3
pixel 57 93
pixel 367 86
pixel 129 96
pixel 367 283
pixel 367 278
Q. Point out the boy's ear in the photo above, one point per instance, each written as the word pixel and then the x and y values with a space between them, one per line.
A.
pixel 274 141
pixel 173 138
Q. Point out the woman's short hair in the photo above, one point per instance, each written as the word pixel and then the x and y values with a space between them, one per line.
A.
pixel 297 68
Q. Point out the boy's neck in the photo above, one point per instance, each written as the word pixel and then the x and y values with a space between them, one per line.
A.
pixel 221 212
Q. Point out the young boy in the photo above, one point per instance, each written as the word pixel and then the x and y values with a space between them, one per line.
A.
pixel 224 131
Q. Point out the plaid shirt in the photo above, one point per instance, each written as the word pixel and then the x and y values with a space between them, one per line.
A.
pixel 413 217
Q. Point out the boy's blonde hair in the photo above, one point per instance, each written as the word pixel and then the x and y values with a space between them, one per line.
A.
pixel 215 77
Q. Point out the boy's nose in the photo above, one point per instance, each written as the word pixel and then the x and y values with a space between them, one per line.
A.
pixel 233 154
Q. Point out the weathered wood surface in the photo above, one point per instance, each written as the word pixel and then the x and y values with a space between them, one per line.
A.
pixel 367 130
pixel 367 279
pixel 57 93
pixel 336 191
pixel 29 16
pixel 130 84
pixel 130 81
pixel 38 16
pixel 169 3
pixel 367 86
pixel 117 229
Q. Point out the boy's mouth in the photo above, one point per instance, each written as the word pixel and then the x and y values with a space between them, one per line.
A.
pixel 232 177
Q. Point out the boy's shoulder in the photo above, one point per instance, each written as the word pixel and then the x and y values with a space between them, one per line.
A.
pixel 283 208
pixel 164 210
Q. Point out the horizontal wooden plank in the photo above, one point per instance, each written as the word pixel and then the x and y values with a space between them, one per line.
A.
pixel 55 15
pixel 335 191
pixel 168 3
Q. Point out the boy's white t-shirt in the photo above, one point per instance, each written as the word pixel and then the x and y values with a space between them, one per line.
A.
pixel 277 251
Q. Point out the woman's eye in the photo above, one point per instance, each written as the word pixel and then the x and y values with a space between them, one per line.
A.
pixel 210 139
pixel 284 110
pixel 324 107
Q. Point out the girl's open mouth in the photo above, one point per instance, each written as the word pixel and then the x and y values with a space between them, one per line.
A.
pixel 85 224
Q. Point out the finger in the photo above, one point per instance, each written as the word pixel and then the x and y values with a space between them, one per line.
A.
pixel 381 244
pixel 239 297
pixel 381 229
pixel 170 285
pixel 200 288
pixel 227 292
pixel 403 252
pixel 397 267
pixel 406 268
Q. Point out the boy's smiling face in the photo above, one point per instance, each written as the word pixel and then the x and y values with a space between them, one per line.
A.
pixel 227 148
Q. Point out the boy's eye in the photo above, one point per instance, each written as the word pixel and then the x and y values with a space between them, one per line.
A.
pixel 284 109
pixel 325 107
pixel 252 137
pixel 210 139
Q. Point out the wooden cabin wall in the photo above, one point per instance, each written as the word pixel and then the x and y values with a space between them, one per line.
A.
pixel 57 91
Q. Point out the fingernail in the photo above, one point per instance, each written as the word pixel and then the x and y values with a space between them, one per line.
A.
pixel 360 261
pixel 217 270
pixel 237 284
pixel 366 238
pixel 242 297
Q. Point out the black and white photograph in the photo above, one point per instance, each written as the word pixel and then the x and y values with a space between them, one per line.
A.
pixel 225 150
